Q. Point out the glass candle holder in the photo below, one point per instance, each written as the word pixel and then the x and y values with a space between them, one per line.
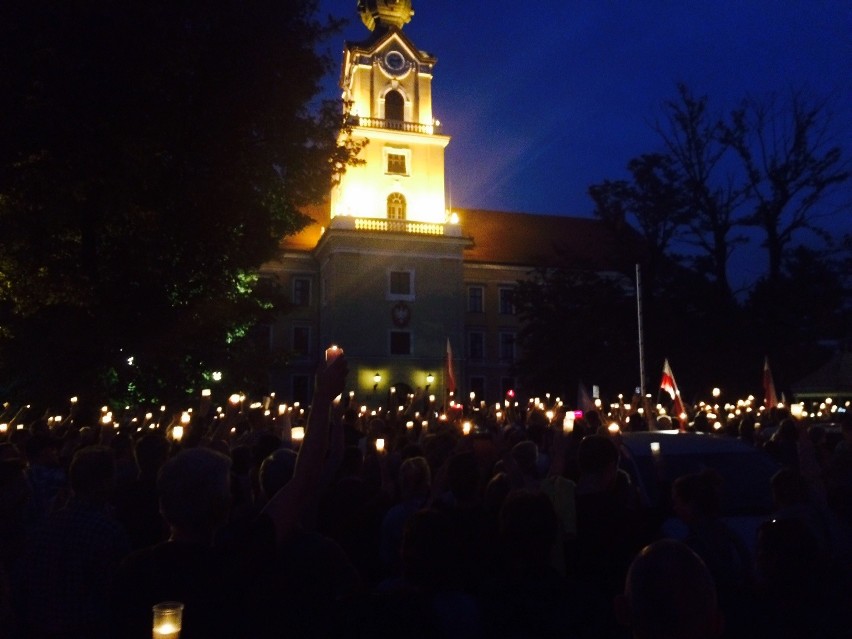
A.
pixel 167 620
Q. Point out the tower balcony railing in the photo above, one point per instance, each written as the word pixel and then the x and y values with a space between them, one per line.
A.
pixel 386 225
pixel 395 125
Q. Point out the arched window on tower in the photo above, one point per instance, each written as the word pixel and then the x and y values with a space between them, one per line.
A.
pixel 394 106
pixel 396 206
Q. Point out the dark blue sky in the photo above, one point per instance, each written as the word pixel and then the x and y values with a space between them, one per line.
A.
pixel 544 98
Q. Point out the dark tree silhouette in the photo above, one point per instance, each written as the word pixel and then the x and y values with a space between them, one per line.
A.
pixel 693 139
pixel 151 157
pixel 793 164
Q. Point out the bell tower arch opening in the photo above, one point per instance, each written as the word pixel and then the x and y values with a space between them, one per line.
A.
pixel 394 106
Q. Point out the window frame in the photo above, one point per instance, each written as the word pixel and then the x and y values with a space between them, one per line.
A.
pixel 470 350
pixel 388 151
pixel 501 350
pixel 480 308
pixel 296 297
pixel 308 351
pixel 400 296
pixel 506 306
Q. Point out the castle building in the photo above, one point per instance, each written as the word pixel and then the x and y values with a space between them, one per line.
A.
pixel 386 270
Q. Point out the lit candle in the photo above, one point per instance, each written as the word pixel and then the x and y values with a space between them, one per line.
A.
pixel 466 426
pixel 333 352
pixel 655 448
pixel 177 432
pixel 297 433
pixel 568 422
pixel 167 620
pixel 380 445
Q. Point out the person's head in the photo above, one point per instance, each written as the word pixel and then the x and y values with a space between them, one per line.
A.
pixel 415 478
pixel 697 496
pixel 597 456
pixel 788 488
pixel 151 452
pixel 42 449
pixel 92 473
pixel 525 454
pixel 195 492
pixel 669 594
pixel 276 471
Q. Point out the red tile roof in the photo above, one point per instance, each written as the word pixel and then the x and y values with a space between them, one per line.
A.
pixel 500 237
pixel 525 239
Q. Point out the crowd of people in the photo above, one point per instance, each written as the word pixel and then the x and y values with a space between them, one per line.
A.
pixel 383 525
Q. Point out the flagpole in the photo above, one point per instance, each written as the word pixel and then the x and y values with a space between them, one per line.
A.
pixel 641 332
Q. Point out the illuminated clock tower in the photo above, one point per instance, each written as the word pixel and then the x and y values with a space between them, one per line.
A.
pixel 387 84
pixel 391 259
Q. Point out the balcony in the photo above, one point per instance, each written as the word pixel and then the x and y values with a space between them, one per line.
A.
pixel 394 125
pixel 383 225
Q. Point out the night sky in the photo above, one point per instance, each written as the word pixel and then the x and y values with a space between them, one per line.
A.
pixel 543 99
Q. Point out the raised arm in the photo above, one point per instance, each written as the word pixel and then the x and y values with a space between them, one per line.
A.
pixel 287 505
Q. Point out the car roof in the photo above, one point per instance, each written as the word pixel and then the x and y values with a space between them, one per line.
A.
pixel 673 442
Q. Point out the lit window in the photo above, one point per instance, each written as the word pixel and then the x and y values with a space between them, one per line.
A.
pixel 400 343
pixel 396 206
pixel 396 164
pixel 475 299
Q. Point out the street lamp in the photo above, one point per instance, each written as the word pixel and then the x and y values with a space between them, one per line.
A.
pixel 376 379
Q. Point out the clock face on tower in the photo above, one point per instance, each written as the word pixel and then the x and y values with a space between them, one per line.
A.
pixel 394 63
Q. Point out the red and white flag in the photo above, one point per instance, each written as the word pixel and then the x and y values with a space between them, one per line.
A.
pixel 669 385
pixel 451 375
pixel 770 398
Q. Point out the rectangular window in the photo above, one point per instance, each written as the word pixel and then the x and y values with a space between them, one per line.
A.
pixel 507 301
pixel 301 291
pixel 400 343
pixel 475 299
pixel 301 340
pixel 507 347
pixel 476 345
pixel 396 164
pixel 401 285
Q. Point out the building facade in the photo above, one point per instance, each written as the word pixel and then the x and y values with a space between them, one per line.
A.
pixel 386 270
